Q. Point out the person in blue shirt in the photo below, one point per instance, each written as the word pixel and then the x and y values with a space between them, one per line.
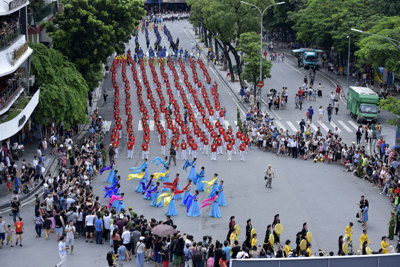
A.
pixel 121 253
pixel 310 113
pixel 227 250
pixel 99 230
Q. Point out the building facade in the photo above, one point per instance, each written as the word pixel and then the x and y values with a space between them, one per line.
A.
pixel 17 99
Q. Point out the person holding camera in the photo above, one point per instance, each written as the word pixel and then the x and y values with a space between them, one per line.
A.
pixel 62 251
pixel 269 174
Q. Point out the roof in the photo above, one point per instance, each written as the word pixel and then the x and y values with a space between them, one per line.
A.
pixel 15 5
pixel 6 67
pixel 363 90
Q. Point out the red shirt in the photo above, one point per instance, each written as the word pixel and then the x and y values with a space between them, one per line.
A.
pixel 219 142
pixel 242 147
pixel 205 141
pixel 194 146
pixel 229 147
pixel 145 146
pixel 130 145
pixel 221 113
pixel 18 227
pixel 163 142
pixel 183 146
pixel 213 147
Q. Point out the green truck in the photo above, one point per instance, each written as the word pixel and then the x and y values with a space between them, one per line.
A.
pixel 363 104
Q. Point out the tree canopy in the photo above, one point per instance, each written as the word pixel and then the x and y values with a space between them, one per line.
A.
pixel 63 89
pixel 378 51
pixel 88 32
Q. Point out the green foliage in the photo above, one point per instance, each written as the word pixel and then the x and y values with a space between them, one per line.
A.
pixel 63 89
pixel 88 32
pixel 10 115
pixel 249 44
pixel 22 102
pixel 379 51
pixel 327 23
pixel 391 104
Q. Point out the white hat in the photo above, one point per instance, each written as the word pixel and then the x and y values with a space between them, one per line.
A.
pixel 141 238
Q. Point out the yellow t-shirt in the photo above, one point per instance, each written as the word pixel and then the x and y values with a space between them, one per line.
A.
pixel 253 242
pixel 309 252
pixel 384 245
pixel 349 232
pixel 363 238
pixel 287 250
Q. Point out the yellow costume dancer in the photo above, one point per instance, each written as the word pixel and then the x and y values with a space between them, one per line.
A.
pixel 254 242
pixel 167 198
pixel 349 231
pixel 384 245
pixel 209 183
pixel 157 175
pixel 136 175
pixel 363 238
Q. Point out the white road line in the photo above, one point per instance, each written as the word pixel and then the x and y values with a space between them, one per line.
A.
pixel 226 123
pixel 345 126
pixel 291 126
pixel 313 126
pixel 353 124
pixel 140 126
pixel 324 126
pixel 280 125
pixel 163 123
pixel 151 125
pixel 334 126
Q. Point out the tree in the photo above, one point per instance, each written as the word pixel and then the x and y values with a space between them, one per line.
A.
pixel 63 89
pixel 249 44
pixel 378 51
pixel 391 104
pixel 88 32
pixel 327 23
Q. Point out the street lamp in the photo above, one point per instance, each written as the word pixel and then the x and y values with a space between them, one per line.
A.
pixel 395 42
pixel 348 60
pixel 261 27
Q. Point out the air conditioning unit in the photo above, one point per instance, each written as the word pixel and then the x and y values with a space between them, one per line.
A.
pixel 32 80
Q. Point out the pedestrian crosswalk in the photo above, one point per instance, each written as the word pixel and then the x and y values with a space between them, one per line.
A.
pixel 342 126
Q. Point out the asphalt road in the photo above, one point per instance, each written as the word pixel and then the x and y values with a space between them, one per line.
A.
pixel 320 194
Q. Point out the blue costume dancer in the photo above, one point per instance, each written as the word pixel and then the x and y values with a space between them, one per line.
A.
pixel 185 195
pixel 155 195
pixel 200 186
pixel 194 209
pixel 165 180
pixel 192 173
pixel 112 177
pixel 221 194
pixel 118 204
pixel 172 211
pixel 178 196
pixel 215 212
pixel 214 188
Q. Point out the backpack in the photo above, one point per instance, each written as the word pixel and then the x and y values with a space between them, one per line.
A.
pixel 198 255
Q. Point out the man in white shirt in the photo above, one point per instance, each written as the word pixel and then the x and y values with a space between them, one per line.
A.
pixel 89 224
pixel 70 230
pixel 106 225
pixel 269 174
pixel 62 251
pixel 126 241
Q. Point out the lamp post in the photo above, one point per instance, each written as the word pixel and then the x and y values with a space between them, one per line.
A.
pixel 348 60
pixel 395 42
pixel 261 28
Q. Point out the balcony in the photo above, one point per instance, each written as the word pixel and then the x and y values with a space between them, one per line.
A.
pixel 10 90
pixel 36 17
pixel 14 55
pixel 14 120
pixel 9 33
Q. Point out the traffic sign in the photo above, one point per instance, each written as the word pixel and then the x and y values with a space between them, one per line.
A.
pixel 260 84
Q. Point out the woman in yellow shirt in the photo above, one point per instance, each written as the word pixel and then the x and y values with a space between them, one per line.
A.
pixel 254 242
pixel 287 248
pixel 363 238
pixel 384 245
pixel 349 231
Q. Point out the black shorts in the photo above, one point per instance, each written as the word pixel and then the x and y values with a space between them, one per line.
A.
pixel 90 229
pixel 128 246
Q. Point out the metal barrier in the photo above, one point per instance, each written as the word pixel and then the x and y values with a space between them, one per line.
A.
pixel 375 260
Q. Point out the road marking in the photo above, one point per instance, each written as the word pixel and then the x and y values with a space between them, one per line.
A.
pixel 334 126
pixel 291 126
pixel 313 126
pixel 324 126
pixel 226 123
pixel 276 115
pixel 353 124
pixel 140 126
pixel 108 125
pixel 163 123
pixel 345 126
pixel 280 125
pixel 151 125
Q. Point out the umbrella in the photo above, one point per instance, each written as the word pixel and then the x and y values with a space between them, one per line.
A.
pixel 163 230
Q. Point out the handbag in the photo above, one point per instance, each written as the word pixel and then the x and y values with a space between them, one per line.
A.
pixel 357 215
